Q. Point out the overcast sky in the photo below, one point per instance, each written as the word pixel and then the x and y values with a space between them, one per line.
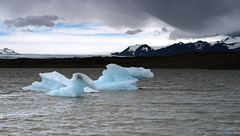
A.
pixel 103 26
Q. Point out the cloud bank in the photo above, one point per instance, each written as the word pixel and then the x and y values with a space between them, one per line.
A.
pixel 38 21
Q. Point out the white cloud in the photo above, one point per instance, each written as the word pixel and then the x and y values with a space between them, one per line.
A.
pixel 60 43
pixel 93 39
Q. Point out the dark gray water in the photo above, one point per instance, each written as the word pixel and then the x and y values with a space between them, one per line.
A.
pixel 173 103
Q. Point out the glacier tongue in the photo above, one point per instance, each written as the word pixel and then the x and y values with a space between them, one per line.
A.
pixel 114 77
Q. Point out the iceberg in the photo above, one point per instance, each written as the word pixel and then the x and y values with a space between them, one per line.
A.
pixel 50 81
pixel 114 78
pixel 75 87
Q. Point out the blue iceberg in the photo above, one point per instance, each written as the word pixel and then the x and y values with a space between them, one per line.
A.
pixel 114 77
pixel 50 81
pixel 75 87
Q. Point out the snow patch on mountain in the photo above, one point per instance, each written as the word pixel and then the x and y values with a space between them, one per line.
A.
pixel 158 47
pixel 232 42
pixel 7 51
pixel 145 49
pixel 134 47
pixel 199 45
pixel 234 46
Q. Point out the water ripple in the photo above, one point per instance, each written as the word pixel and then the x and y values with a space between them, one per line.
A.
pixel 174 102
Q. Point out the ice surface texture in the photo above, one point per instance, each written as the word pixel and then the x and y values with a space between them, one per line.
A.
pixel 114 77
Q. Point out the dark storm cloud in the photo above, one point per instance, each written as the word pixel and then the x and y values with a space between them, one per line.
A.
pixel 38 21
pixel 114 13
pixel 189 18
pixel 133 32
pixel 234 34
pixel 197 17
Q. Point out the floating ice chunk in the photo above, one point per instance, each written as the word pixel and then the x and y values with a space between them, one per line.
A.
pixel 50 81
pixel 75 87
pixel 116 77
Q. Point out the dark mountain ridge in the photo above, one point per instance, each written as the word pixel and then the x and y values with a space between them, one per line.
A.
pixel 227 45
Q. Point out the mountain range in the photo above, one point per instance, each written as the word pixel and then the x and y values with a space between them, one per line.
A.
pixel 7 51
pixel 231 44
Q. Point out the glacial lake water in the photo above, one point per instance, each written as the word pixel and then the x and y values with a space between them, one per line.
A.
pixel 174 103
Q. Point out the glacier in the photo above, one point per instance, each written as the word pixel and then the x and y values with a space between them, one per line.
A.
pixel 114 78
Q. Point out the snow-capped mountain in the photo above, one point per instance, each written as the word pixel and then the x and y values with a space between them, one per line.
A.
pixel 137 50
pixel 7 51
pixel 226 45
pixel 232 42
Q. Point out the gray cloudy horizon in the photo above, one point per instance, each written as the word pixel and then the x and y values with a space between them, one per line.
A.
pixel 189 18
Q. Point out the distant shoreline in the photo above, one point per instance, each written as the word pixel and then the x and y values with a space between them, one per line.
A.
pixel 184 61
pixel 46 56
